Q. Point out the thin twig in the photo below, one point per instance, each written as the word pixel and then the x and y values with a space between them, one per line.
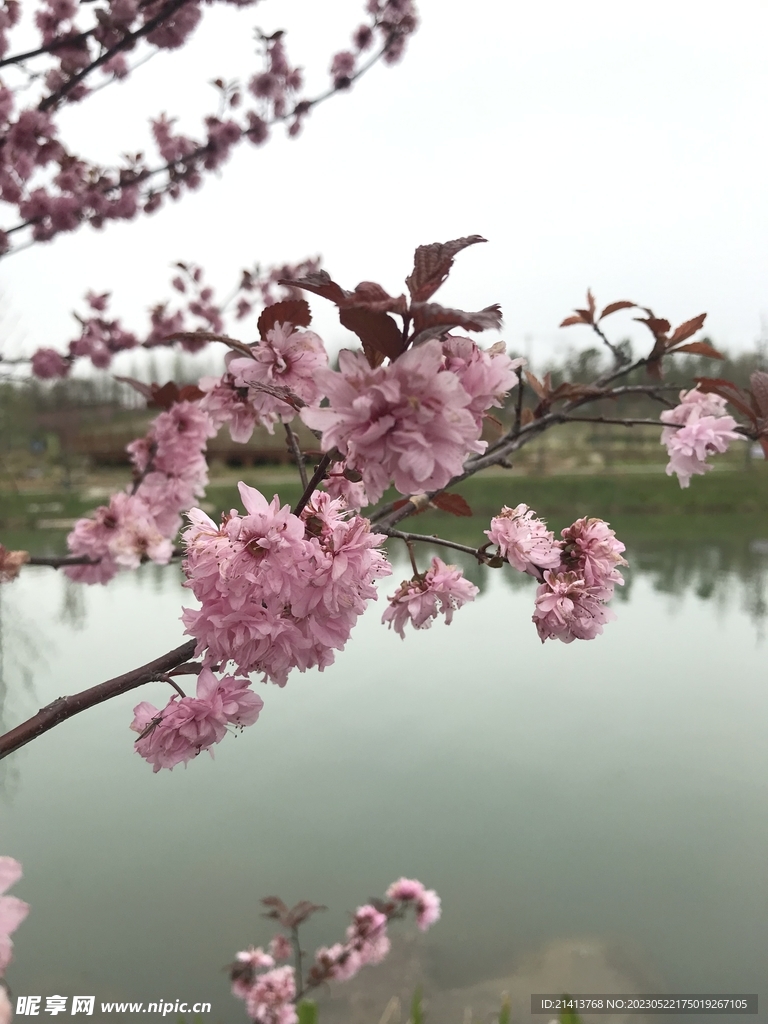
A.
pixel 293 444
pixel 423 538
pixel 317 477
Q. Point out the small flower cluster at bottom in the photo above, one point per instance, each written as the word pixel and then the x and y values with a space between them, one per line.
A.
pixel 270 992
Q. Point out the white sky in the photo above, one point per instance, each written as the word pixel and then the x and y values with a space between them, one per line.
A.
pixel 620 146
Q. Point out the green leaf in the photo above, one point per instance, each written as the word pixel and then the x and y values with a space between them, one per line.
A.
pixel 417 1011
pixel 505 1014
pixel 569 1017
pixel 307 1011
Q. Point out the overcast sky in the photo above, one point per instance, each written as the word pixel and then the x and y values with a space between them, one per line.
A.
pixel 620 146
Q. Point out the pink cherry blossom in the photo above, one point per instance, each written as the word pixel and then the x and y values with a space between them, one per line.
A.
pixel 116 535
pixel 12 909
pixel 409 422
pixel 427 909
pixel 487 375
pixel 441 590
pixel 228 404
pixel 705 429
pixel 188 725
pixel 286 358
pixel 47 363
pixel 244 970
pixel 270 1000
pixel 592 551
pixel 524 540
pixel 280 947
pixel 426 901
pixel 566 609
pixel 279 591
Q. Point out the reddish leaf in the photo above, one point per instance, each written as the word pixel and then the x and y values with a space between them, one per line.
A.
pixel 432 264
pixel 585 315
pixel 591 304
pixel 526 417
pixel 319 282
pixel 164 397
pixel 614 307
pixel 731 393
pixel 370 295
pixel 453 503
pixel 427 315
pixel 759 382
pixel 289 311
pixel 570 320
pixel 137 385
pixel 190 393
pixel 277 909
pixel 300 912
pixel 378 332
pixel 653 367
pixel 700 348
pixel 537 386
pixel 655 325
pixel 402 502
pixel 687 329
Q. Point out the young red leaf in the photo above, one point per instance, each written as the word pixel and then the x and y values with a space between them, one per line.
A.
pixel 427 315
pixel 591 304
pixel 570 320
pixel 614 307
pixel 731 393
pixel 164 397
pixel 432 264
pixel 190 393
pixel 137 385
pixel 759 382
pixel 299 913
pixel 687 329
pixel 700 348
pixel 289 311
pixel 319 282
pixel 370 295
pixel 537 386
pixel 378 332
pixel 655 325
pixel 453 503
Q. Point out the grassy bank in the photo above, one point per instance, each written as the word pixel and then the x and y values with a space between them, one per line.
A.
pixel 648 504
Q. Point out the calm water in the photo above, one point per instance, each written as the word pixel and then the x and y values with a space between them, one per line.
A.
pixel 593 815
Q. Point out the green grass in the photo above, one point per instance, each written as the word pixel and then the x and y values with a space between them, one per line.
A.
pixel 645 505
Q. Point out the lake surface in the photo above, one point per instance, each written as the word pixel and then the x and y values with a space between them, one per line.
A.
pixel 594 816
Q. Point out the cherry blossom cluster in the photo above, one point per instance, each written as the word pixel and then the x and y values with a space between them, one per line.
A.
pixel 12 910
pixel 577 574
pixel 279 591
pixel 53 189
pixel 415 420
pixel 102 337
pixel 246 394
pixel 188 725
pixel 699 427
pixel 270 992
pixel 171 471
pixel 441 590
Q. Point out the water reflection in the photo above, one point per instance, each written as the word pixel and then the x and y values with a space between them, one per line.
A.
pixel 592 814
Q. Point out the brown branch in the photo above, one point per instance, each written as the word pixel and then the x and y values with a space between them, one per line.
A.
pixel 317 477
pixel 65 707
pixel 125 43
pixel 423 538
pixel 293 445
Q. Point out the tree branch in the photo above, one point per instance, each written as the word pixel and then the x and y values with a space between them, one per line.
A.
pixel 65 707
